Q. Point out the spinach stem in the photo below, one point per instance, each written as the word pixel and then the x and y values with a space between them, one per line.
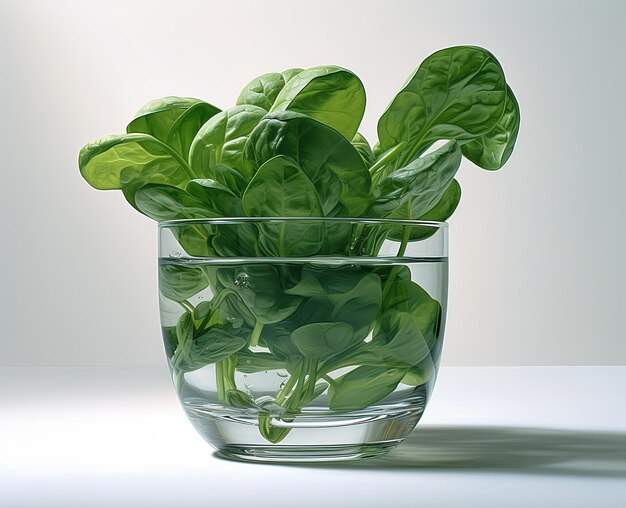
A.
pixel 386 158
pixel 285 390
pixel 256 333
pixel 394 270
pixel 312 377
pixel 219 378
pixel 187 306
pixel 281 241
pixel 328 379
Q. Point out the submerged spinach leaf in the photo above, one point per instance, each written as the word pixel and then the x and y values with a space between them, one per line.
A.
pixel 178 282
pixel 321 340
pixel 215 344
pixel 363 387
pixel 259 287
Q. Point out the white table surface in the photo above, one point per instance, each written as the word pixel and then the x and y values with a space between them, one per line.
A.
pixel 497 436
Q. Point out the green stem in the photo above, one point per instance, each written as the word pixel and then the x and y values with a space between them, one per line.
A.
pixel 386 158
pixel 285 390
pixel 312 378
pixel 281 241
pixel 256 334
pixel 229 372
pixel 394 270
pixel 187 306
pixel 219 378
pixel 328 379
pixel 178 379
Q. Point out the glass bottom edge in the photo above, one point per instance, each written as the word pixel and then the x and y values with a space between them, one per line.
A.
pixel 305 454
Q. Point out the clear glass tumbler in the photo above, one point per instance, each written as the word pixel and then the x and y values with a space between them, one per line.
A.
pixel 303 339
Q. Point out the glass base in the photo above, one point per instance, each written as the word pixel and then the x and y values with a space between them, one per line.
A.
pixel 286 453
pixel 309 437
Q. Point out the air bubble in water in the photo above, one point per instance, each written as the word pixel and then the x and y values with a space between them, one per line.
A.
pixel 282 373
pixel 175 254
pixel 242 280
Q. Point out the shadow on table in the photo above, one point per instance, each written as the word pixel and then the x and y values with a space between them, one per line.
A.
pixel 506 449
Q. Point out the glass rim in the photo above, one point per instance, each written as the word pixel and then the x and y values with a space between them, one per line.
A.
pixel 352 220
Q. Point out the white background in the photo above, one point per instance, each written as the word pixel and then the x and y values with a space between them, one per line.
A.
pixel 537 249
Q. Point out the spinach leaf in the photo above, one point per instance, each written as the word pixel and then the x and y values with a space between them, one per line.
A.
pixel 410 192
pixel 363 387
pixel 130 161
pixel 329 94
pixel 444 208
pixel 215 344
pixel 408 328
pixel 221 140
pixel 321 340
pixel 187 125
pixel 157 117
pixel 328 159
pixel 229 178
pixel 493 149
pixel 281 189
pixel 353 298
pixel 164 202
pixel 179 282
pixel 456 93
pixel 421 373
pixel 262 91
pixel 249 362
pixel 290 73
pixel 259 287
pixel 363 147
pixel 217 197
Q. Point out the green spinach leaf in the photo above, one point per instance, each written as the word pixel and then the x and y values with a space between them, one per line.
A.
pixel 221 140
pixel 281 189
pixel 178 282
pixel 329 160
pixel 130 161
pixel 456 93
pixel 322 340
pixel 363 147
pixel 493 149
pixel 157 117
pixel 363 387
pixel 262 91
pixel 332 95
pixel 164 202
pixel 410 192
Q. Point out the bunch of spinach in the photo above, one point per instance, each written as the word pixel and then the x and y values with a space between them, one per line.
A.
pixel 290 147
